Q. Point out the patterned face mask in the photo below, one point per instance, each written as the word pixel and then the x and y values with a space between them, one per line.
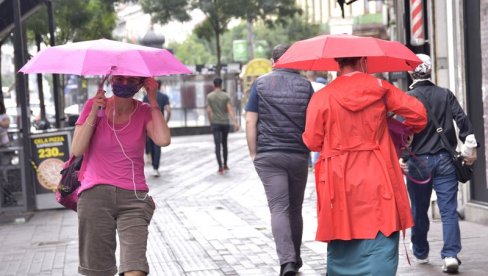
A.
pixel 125 86
pixel 125 90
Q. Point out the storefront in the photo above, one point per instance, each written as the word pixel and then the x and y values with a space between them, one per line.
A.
pixel 455 35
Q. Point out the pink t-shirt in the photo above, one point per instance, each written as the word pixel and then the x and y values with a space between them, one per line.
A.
pixel 104 161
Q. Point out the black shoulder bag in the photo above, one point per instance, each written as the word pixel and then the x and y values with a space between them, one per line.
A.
pixel 464 172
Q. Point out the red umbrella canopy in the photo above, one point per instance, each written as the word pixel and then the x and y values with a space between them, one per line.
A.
pixel 319 53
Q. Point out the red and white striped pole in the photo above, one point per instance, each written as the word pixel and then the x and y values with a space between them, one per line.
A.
pixel 417 30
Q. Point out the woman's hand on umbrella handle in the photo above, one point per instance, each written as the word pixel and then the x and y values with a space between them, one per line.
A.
pixel 99 101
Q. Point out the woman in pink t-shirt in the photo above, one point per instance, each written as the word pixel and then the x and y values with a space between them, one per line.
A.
pixel 113 194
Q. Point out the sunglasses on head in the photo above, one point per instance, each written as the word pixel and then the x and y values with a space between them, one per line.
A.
pixel 128 80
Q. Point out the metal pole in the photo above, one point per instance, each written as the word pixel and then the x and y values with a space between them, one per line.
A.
pixel 40 89
pixel 20 88
pixel 58 102
pixel 1 90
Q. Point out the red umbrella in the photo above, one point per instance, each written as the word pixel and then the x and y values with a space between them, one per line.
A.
pixel 318 54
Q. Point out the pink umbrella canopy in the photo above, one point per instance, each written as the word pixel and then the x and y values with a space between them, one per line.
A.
pixel 105 57
pixel 319 53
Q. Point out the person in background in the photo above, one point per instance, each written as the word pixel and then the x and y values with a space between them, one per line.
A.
pixel 219 108
pixel 4 124
pixel 322 80
pixel 312 78
pixel 153 151
pixel 362 202
pixel 435 157
pixel 113 196
pixel 275 120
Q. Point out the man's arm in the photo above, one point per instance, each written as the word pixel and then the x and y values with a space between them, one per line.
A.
pixel 209 113
pixel 167 110
pixel 232 116
pixel 251 132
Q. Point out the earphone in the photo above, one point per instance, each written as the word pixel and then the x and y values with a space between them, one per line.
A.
pixel 122 148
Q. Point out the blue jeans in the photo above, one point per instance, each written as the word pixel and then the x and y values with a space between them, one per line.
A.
pixel 445 183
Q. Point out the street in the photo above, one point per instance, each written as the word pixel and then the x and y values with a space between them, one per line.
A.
pixel 209 224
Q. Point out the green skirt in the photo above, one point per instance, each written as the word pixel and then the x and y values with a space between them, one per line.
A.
pixel 363 257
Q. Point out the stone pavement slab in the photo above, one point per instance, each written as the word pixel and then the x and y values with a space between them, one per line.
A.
pixel 208 224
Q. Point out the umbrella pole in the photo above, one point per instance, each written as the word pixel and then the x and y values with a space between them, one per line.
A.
pixel 101 113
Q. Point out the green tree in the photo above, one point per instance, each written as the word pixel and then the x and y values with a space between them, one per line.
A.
pixel 291 30
pixel 193 51
pixel 270 12
pixel 93 19
pixel 76 20
pixel 218 14
pixel 198 51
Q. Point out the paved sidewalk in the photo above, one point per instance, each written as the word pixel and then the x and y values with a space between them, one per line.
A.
pixel 207 224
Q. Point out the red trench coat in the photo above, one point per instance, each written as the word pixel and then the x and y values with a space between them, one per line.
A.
pixel 360 186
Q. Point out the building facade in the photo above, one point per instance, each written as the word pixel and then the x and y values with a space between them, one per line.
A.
pixel 455 34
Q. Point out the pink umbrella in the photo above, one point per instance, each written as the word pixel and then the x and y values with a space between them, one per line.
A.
pixel 105 57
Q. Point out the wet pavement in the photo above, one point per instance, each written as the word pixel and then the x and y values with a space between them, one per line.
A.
pixel 208 224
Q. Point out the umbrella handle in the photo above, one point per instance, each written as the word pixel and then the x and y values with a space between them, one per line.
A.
pixel 101 112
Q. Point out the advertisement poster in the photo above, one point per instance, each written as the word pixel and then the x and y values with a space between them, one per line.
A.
pixel 49 152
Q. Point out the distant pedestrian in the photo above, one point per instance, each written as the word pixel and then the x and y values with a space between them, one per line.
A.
pixel 113 197
pixel 434 157
pixel 4 124
pixel 153 150
pixel 362 201
pixel 219 109
pixel 311 76
pixel 275 120
pixel 4 139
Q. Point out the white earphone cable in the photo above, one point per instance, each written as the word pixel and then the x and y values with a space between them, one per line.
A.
pixel 123 151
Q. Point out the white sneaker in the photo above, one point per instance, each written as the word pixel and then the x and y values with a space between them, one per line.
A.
pixel 450 265
pixel 417 260
pixel 155 173
pixel 422 261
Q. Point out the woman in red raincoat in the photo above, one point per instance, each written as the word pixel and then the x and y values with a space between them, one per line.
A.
pixel 361 197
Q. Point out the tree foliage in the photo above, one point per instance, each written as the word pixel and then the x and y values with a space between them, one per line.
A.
pixel 218 14
pixel 193 51
pixel 76 20
pixel 293 29
pixel 271 12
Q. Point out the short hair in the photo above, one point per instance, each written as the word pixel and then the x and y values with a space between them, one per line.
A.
pixel 347 61
pixel 278 51
pixel 217 82
pixel 159 84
